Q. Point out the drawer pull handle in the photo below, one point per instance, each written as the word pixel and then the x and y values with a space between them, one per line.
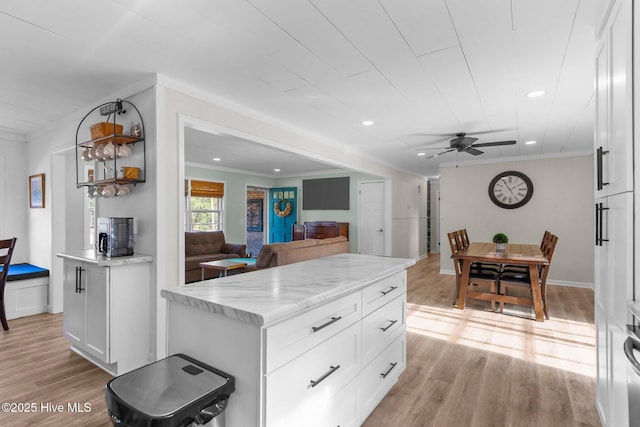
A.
pixel 333 320
pixel 324 377
pixel 393 288
pixel 393 322
pixel 393 365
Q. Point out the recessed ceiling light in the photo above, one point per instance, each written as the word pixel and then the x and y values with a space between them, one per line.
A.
pixel 422 154
pixel 367 123
pixel 216 159
pixel 530 142
pixel 536 93
pixel 276 170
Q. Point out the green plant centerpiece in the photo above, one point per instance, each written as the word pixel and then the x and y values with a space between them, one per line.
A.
pixel 501 240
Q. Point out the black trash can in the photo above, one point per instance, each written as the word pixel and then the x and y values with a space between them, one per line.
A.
pixel 174 392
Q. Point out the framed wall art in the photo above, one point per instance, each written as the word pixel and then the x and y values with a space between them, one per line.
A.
pixel 36 191
pixel 254 215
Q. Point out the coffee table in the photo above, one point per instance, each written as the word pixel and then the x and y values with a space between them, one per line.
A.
pixel 222 266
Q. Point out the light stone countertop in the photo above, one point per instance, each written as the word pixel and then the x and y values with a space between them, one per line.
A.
pixel 265 296
pixel 90 256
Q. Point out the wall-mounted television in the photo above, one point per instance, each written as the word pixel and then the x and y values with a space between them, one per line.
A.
pixel 325 194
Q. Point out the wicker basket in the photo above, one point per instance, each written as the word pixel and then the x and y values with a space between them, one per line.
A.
pixel 102 129
pixel 130 173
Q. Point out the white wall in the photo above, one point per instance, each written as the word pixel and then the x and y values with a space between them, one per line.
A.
pixel 14 202
pixel 562 203
pixel 349 215
pixel 59 226
pixel 174 105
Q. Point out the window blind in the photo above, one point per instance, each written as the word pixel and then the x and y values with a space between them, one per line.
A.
pixel 204 188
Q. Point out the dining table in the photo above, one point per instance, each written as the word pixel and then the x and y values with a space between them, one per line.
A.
pixel 519 254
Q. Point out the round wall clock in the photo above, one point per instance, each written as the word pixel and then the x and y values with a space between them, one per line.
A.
pixel 510 190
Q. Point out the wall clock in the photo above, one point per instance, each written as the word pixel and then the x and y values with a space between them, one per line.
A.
pixel 510 190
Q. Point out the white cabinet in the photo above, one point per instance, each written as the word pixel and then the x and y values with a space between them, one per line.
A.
pixel 613 289
pixel 614 101
pixel 85 308
pixel 614 199
pixel 106 313
pixel 328 365
pixel 301 393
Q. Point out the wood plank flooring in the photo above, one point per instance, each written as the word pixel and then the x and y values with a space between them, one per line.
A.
pixel 464 368
pixel 474 367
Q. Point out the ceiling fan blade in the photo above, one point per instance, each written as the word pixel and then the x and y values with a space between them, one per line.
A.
pixel 452 134
pixel 482 132
pixel 432 148
pixel 444 152
pixel 473 151
pixel 495 143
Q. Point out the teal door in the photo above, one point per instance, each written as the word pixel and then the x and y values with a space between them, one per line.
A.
pixel 284 213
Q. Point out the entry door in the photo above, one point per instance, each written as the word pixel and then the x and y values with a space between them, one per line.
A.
pixel 371 221
pixel 283 214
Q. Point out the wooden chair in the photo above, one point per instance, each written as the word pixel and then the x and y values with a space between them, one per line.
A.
pixel 477 275
pixel 463 237
pixel 463 241
pixel 522 280
pixel 523 268
pixel 6 251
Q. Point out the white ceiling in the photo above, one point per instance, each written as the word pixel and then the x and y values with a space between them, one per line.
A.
pixel 418 69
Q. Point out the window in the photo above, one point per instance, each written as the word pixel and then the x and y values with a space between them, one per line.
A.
pixel 205 205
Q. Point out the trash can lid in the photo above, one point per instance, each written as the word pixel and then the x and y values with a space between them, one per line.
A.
pixel 167 386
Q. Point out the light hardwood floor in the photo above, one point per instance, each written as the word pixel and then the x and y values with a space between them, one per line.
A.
pixel 464 368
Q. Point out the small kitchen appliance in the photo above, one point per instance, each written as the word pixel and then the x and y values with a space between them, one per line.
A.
pixel 115 236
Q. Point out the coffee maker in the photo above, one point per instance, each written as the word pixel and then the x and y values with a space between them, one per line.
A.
pixel 115 236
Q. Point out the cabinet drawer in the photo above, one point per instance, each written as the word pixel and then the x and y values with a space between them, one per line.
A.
pixel 383 291
pixel 341 410
pixel 293 337
pixel 381 327
pixel 381 374
pixel 313 379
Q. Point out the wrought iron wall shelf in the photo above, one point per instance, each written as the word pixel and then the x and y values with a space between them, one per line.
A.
pixel 111 162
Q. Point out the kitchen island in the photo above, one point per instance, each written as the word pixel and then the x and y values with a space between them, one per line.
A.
pixel 318 342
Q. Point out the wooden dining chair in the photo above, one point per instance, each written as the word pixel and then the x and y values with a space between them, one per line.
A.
pixel 6 251
pixel 518 268
pixel 522 280
pixel 463 237
pixel 463 241
pixel 477 275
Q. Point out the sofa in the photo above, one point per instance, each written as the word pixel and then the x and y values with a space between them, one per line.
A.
pixel 276 254
pixel 203 246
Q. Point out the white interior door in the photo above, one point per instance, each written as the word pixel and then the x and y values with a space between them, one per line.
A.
pixel 371 232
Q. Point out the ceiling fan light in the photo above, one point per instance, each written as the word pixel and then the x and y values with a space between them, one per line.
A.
pixel 536 93
pixel 422 154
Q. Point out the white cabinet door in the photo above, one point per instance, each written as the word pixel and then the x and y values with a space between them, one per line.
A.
pixel 602 374
pixel 96 289
pixel 619 400
pixel 620 75
pixel 614 113
pixel 620 256
pixel 86 311
pixel 74 304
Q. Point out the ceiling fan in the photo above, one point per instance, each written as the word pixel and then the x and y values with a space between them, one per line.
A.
pixel 464 143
